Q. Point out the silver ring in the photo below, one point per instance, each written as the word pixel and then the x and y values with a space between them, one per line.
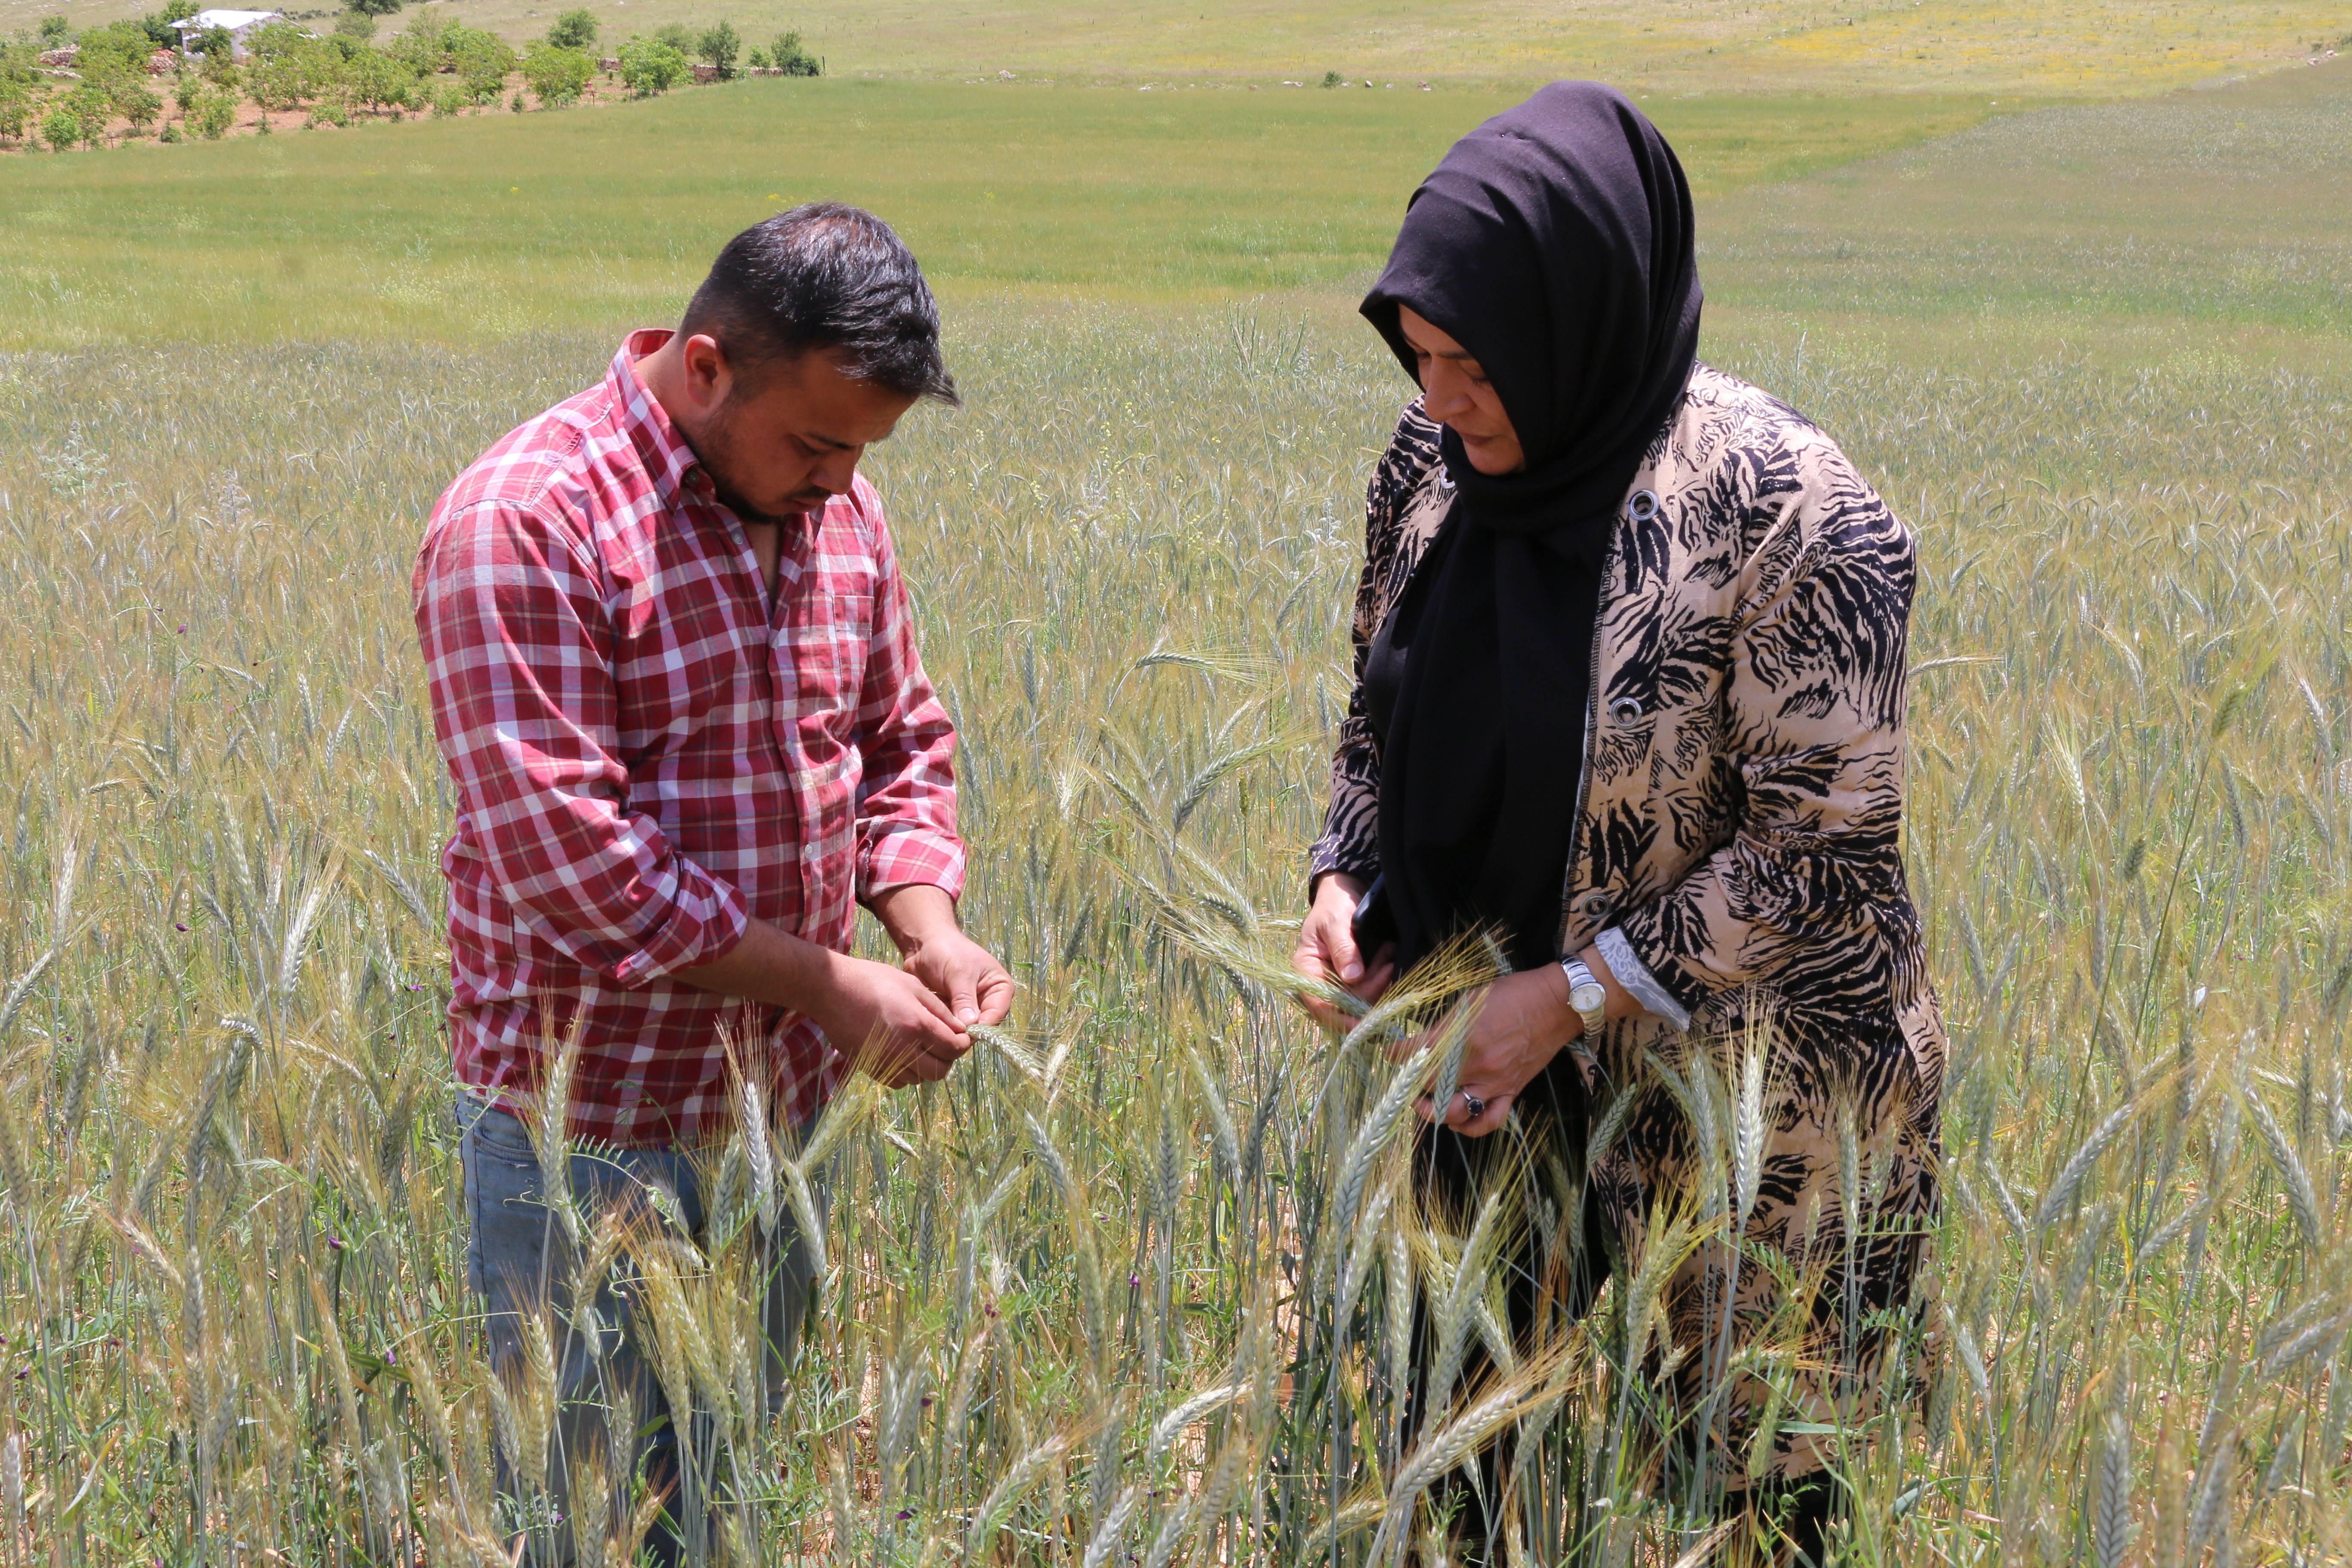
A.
pixel 1474 1105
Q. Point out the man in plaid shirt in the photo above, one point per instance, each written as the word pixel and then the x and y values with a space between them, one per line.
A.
pixel 675 680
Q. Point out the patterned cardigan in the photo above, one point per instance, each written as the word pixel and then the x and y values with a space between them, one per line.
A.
pixel 1738 842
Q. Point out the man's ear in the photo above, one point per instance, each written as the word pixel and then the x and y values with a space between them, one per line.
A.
pixel 708 374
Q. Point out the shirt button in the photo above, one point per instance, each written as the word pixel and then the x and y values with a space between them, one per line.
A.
pixel 1642 506
pixel 1596 905
pixel 1625 709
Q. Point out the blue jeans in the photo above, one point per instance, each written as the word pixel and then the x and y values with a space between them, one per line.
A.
pixel 610 1404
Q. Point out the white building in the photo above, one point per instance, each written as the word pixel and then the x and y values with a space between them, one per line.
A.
pixel 236 23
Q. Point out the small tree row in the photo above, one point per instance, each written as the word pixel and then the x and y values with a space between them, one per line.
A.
pixel 434 65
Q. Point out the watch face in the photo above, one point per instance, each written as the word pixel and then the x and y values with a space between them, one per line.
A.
pixel 1584 998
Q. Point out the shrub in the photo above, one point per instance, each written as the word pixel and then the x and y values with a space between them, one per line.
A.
pixel 447 98
pixel 377 80
pixel 61 128
pixel 559 75
pixel 678 36
pixel 213 113
pixel 374 7
pixel 480 59
pixel 573 30
pixel 286 68
pixel 790 59
pixel 720 47
pixel 171 135
pixel 1332 78
pixel 55 32
pixel 648 66
pixel 355 27
pixel 117 49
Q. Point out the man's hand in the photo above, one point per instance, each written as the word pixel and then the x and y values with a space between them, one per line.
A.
pixel 888 1024
pixel 960 971
pixel 1327 950
pixel 882 1020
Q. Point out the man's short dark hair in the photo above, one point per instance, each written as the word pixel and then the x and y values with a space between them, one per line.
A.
pixel 825 278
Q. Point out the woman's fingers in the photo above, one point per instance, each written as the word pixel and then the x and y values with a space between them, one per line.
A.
pixel 1316 957
pixel 1496 1111
pixel 1469 1113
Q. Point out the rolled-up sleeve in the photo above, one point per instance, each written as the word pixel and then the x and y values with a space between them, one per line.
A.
pixel 905 798
pixel 509 609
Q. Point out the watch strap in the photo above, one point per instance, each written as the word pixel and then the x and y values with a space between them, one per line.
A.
pixel 1581 978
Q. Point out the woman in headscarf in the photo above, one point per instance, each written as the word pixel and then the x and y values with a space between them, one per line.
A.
pixel 1630 649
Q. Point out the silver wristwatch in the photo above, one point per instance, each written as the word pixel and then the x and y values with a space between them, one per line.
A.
pixel 1584 995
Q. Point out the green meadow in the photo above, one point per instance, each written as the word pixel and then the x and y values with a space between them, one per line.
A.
pixel 1982 47
pixel 1134 1285
pixel 458 230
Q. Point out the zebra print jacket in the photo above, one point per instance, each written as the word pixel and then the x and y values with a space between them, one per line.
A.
pixel 1738 845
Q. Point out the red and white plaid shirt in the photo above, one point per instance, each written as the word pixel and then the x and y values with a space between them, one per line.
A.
pixel 647 755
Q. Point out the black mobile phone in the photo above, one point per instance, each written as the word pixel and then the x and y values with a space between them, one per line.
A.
pixel 1372 925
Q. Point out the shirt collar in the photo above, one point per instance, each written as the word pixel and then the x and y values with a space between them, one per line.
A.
pixel 668 461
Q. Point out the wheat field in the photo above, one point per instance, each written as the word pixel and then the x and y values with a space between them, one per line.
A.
pixel 1134 1285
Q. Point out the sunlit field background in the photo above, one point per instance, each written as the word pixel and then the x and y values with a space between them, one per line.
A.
pixel 1125 1288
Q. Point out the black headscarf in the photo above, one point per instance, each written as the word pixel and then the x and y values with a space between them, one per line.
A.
pixel 1554 244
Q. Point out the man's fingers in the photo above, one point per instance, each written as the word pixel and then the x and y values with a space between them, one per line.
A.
pixel 995 996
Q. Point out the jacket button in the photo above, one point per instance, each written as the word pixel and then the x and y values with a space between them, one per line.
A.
pixel 1625 709
pixel 1596 906
pixel 1642 506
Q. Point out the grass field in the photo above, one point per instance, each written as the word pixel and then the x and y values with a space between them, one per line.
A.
pixel 460 229
pixel 1123 1289
pixel 2098 48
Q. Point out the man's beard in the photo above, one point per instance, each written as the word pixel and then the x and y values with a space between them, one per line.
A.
pixel 715 447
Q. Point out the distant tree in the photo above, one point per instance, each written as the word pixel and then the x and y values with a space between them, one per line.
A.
pixel 790 59
pixel 213 111
pixel 179 10
pixel 374 7
pixel 557 76
pixel 15 99
pixel 61 128
pixel 650 66
pixel 116 50
pixel 55 32
pixel 380 79
pixel 355 27
pixel 89 104
pixel 678 36
pixel 720 47
pixel 573 30
pixel 481 61
pixel 219 52
pixel 1332 78
pixel 132 99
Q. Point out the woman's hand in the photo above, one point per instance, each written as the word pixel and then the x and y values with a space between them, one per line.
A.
pixel 1327 950
pixel 1522 1024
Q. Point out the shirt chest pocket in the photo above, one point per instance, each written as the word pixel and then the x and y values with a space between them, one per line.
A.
pixel 821 654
